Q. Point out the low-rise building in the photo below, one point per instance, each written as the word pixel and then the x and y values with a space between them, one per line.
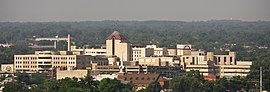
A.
pixel 142 80
pixel 61 74
pixel 47 60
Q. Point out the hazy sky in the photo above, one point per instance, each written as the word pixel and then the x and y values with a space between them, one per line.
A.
pixel 87 10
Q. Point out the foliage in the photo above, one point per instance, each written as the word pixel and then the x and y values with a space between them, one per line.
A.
pixel 87 84
pixel 113 85
pixel 29 79
pixel 153 87
pixel 14 87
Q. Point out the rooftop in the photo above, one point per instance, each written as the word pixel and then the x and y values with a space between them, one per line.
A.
pixel 116 35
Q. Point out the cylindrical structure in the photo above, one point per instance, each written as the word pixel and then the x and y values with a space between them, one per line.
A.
pixel 68 42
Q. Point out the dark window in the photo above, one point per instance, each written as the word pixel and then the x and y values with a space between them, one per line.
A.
pixel 225 59
pixel 44 57
pixel 218 59
pixel 231 59
pixel 142 78
pixel 137 78
pixel 193 60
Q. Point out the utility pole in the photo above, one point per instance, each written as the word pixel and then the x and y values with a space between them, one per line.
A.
pixel 261 84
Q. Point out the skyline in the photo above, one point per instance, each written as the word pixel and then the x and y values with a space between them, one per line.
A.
pixel 132 10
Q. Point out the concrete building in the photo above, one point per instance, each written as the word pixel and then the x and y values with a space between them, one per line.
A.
pixel 142 80
pixel 171 52
pixel 183 49
pixel 166 71
pixel 115 46
pixel 61 74
pixel 242 68
pixel 193 58
pixel 159 61
pixel 229 59
pixel 47 60
pixel 7 67
pixel 158 51
pixel 141 52
pixel 219 65
pixel 95 52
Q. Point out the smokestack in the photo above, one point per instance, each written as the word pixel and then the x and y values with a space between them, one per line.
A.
pixel 68 42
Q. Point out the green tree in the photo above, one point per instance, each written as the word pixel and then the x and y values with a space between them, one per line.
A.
pixel 14 87
pixel 89 83
pixel 153 87
pixel 113 85
pixel 185 84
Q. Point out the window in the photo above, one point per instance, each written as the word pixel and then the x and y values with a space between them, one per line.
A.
pixel 137 78
pixel 225 59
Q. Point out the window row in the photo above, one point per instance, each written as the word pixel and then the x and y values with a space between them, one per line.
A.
pixel 26 66
pixel 64 58
pixel 25 58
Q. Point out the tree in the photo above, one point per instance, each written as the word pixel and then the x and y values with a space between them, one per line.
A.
pixel 37 78
pixel 14 87
pixel 113 85
pixel 89 83
pixel 184 84
pixel 23 78
pixel 153 87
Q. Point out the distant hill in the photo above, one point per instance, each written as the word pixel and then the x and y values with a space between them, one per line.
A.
pixel 202 34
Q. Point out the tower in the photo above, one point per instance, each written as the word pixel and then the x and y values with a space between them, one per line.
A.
pixel 116 46
pixel 68 41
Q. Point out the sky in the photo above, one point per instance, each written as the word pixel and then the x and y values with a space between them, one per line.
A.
pixel 129 10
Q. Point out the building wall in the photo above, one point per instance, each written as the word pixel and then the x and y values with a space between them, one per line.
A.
pixel 158 51
pixel 150 61
pixel 234 70
pixel 171 52
pixel 183 49
pixel 121 49
pixel 226 59
pixel 7 67
pixel 47 61
pixel 141 52
pixel 61 74
pixel 95 52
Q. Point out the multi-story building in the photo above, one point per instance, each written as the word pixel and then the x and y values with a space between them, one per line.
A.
pixel 166 71
pixel 158 51
pixel 115 46
pixel 183 49
pixel 43 60
pixel 141 52
pixel 219 65
pixel 47 60
pixel 159 61
pixel 193 58
pixel 171 52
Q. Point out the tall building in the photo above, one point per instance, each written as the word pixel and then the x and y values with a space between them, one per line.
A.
pixel 141 52
pixel 116 46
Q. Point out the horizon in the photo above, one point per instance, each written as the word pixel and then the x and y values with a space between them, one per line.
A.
pixel 132 10
pixel 134 21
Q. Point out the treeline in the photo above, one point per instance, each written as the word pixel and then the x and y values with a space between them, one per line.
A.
pixel 202 34
pixel 191 81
